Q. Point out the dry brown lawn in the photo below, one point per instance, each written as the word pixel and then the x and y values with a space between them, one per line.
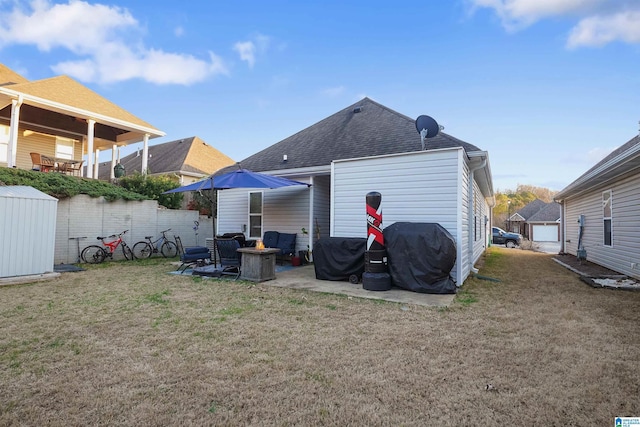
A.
pixel 129 344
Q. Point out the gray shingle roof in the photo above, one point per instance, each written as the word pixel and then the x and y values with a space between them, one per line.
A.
pixel 373 130
pixel 171 157
pixel 531 208
pixel 550 212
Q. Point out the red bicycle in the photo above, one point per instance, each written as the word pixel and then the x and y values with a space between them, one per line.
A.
pixel 95 254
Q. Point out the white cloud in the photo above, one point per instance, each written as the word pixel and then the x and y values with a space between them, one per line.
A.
pixel 600 30
pixel 107 40
pixel 599 21
pixel 248 50
pixel 516 14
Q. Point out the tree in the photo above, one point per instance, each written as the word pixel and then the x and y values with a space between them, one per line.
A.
pixel 153 187
pixel 523 195
pixel 541 193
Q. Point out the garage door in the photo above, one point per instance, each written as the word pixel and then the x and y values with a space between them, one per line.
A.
pixel 545 233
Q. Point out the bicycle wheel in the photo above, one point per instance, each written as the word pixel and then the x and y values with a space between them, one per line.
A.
pixel 126 251
pixel 93 254
pixel 169 249
pixel 142 250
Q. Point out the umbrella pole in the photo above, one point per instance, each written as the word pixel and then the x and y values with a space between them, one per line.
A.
pixel 213 222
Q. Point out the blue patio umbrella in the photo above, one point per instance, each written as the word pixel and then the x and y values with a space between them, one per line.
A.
pixel 241 178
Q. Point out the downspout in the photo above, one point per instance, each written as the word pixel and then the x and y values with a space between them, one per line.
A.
pixel 563 224
pixel 311 216
pixel 471 199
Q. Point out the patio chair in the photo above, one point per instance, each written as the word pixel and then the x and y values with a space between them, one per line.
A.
pixel 195 255
pixel 230 258
pixel 73 168
pixel 38 164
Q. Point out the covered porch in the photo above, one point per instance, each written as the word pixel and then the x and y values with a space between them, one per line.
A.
pixel 60 119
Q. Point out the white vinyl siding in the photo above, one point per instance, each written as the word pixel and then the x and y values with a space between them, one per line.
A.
pixel 415 187
pixel 233 206
pixel 480 210
pixel 283 209
pixel 624 253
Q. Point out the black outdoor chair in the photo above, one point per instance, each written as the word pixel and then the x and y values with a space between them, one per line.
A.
pixel 230 258
pixel 195 255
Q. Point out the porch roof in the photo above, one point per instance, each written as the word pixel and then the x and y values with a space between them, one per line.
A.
pixel 61 105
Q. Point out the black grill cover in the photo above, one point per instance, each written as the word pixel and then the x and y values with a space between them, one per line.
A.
pixel 421 257
pixel 337 258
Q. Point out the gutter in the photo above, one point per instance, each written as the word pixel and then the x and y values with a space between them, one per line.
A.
pixel 80 112
pixel 584 180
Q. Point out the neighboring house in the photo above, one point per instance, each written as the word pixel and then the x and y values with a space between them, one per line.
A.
pixel 188 159
pixel 600 210
pixel 362 148
pixel 538 221
pixel 516 222
pixel 60 118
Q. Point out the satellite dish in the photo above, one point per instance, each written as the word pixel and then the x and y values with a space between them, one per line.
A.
pixel 427 127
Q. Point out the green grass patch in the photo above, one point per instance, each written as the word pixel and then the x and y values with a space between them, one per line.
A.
pixel 158 297
pixel 466 298
pixel 229 311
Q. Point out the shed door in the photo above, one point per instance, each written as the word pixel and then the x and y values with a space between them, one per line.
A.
pixel 545 233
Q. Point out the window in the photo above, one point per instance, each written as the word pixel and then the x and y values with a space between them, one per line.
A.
pixel 4 143
pixel 606 215
pixel 255 214
pixel 64 148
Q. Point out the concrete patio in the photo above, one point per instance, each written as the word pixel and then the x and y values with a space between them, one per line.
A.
pixel 304 277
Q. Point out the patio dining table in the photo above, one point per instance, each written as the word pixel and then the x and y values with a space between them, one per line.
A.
pixel 66 165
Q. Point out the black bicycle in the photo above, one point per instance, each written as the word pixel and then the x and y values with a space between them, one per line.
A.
pixel 146 248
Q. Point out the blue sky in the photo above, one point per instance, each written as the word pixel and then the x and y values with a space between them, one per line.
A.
pixel 547 87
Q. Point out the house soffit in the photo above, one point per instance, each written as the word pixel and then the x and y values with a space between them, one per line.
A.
pixel 55 123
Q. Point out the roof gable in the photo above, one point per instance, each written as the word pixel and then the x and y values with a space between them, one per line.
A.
pixel 182 155
pixel 550 212
pixel 363 129
pixel 9 77
pixel 531 208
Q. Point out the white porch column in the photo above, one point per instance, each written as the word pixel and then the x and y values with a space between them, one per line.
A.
pixel 13 131
pixel 96 164
pixel 90 129
pixel 145 154
pixel 114 159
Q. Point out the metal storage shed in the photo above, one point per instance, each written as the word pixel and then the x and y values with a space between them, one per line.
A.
pixel 27 231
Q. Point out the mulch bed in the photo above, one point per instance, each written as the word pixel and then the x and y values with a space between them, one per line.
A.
pixel 596 275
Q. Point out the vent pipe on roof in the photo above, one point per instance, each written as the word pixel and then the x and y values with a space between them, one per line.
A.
pixel 356 110
pixel 284 157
